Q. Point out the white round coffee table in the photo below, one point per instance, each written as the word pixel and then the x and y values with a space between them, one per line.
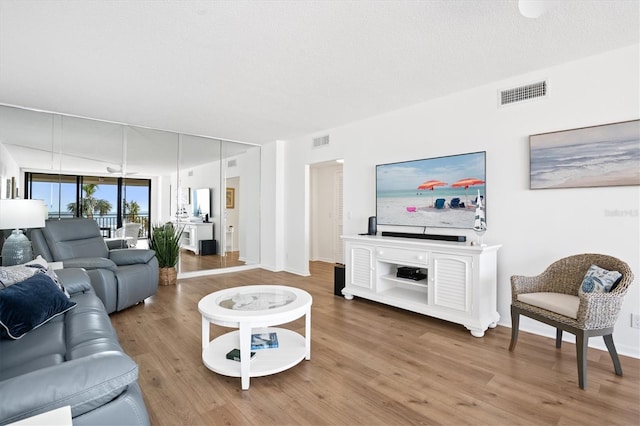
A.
pixel 255 309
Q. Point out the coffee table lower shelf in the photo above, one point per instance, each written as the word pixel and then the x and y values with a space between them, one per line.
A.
pixel 290 351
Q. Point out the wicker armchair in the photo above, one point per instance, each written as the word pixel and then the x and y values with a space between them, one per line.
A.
pixel 584 315
pixel 129 231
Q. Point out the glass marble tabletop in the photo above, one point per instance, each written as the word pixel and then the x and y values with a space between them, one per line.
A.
pixel 253 302
pixel 256 300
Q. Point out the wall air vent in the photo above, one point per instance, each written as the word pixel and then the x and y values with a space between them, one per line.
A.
pixel 232 163
pixel 321 141
pixel 523 93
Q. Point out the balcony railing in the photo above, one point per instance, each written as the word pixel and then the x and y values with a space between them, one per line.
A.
pixel 109 223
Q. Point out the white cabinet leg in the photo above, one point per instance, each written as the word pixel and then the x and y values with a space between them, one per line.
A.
pixel 475 332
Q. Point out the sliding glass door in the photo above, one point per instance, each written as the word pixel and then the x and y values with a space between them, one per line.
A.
pixel 110 201
pixel 135 201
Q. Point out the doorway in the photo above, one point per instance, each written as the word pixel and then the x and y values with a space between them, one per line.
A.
pixel 232 219
pixel 325 212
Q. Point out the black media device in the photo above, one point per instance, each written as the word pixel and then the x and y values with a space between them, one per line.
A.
pixel 410 273
pixel 455 238
pixel 373 226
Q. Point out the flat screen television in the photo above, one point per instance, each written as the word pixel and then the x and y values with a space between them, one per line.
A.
pixel 440 192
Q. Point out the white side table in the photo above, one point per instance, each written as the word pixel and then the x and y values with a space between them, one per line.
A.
pixel 229 239
pixel 255 309
pixel 58 417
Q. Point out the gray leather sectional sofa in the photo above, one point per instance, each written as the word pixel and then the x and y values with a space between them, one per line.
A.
pixel 74 359
pixel 121 277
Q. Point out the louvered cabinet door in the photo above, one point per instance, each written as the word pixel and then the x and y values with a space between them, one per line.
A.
pixel 452 281
pixel 360 266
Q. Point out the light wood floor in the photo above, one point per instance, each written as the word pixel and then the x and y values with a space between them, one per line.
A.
pixel 190 262
pixel 371 364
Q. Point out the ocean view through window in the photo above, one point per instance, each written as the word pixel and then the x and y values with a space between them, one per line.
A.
pixel 110 201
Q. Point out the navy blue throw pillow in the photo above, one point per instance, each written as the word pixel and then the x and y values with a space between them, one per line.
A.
pixel 29 304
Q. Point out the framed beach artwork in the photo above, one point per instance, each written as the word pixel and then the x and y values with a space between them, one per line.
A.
pixel 604 155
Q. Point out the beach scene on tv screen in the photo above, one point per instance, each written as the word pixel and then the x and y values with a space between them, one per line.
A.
pixel 441 192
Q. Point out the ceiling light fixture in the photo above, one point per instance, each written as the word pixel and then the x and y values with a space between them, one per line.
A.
pixel 532 8
pixel 122 171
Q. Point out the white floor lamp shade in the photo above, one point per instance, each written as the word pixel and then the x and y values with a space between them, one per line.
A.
pixel 18 215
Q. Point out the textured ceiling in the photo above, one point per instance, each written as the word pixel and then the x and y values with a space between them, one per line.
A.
pixel 261 71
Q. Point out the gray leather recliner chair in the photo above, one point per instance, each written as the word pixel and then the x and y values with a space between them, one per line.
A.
pixel 121 278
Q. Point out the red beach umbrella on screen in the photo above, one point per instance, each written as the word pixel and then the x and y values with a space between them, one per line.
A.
pixel 466 183
pixel 430 184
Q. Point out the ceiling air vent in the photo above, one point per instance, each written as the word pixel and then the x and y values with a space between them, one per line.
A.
pixel 523 93
pixel 321 141
pixel 232 163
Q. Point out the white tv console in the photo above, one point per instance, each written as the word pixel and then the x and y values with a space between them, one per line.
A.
pixel 193 233
pixel 460 287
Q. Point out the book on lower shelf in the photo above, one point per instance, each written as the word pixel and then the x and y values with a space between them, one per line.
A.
pixel 234 355
pixel 264 340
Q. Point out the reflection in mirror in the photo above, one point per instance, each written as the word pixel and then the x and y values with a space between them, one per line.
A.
pixel 120 157
pixel 202 203
pixel 241 178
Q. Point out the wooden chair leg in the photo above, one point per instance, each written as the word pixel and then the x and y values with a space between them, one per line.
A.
pixel 558 338
pixel 608 340
pixel 582 343
pixel 515 323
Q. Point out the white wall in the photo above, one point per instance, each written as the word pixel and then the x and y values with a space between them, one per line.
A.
pixel 272 251
pixel 248 205
pixel 298 156
pixel 161 199
pixel 535 228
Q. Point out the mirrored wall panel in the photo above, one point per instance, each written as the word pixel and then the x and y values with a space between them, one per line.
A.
pixel 119 174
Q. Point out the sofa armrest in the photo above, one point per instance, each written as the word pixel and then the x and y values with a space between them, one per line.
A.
pixel 89 263
pixel 74 280
pixel 84 384
pixel 131 256
pixel 116 244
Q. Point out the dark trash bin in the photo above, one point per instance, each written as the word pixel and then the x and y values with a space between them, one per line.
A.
pixel 208 247
pixel 338 279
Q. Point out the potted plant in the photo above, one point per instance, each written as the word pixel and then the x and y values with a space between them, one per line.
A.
pixel 165 241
